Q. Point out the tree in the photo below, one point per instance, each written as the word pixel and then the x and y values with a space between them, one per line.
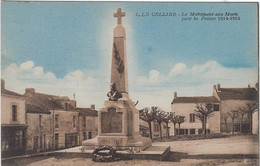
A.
pixel 201 118
pixel 233 115
pixel 148 115
pixel 225 116
pixel 203 111
pixel 251 108
pixel 180 119
pixel 159 118
pixel 174 121
pixel 166 119
pixel 242 111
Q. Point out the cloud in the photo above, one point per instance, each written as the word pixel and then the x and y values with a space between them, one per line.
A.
pixel 88 89
pixel 154 76
pixel 179 68
pixel 197 80
pixel 154 89
pixel 27 65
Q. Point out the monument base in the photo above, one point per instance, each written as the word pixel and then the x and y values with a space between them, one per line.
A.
pixel 136 143
pixel 118 127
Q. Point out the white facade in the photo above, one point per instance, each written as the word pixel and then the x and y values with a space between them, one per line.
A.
pixel 7 104
pixel 255 124
pixel 185 109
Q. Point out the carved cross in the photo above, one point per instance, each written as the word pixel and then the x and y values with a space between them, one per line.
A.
pixel 119 16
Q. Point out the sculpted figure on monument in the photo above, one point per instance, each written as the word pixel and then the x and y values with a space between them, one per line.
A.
pixel 118 61
pixel 113 94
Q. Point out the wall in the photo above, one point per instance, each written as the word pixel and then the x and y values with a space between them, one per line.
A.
pixel 91 126
pixel 157 133
pixel 65 122
pixel 229 105
pixel 6 109
pixel 255 122
pixel 34 129
pixel 185 109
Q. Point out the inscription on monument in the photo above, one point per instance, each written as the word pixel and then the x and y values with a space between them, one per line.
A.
pixel 112 142
pixel 111 121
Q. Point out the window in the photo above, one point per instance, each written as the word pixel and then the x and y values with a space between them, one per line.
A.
pixel 192 131
pixel 156 127
pixel 56 121
pixel 85 135
pixel 216 107
pixel 71 140
pixel 44 144
pixel 40 120
pixel 208 131
pixel 89 135
pixel 14 113
pixel 84 121
pixel 74 121
pixel 183 131
pixel 192 117
pixel 41 141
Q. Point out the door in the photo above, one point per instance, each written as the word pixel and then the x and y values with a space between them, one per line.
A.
pixel 56 141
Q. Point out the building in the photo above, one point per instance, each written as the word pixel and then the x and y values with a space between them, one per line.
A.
pixel 88 123
pixel 144 128
pixel 39 132
pixel 13 122
pixel 224 100
pixel 231 99
pixel 55 122
pixel 185 106
pixel 52 121
pixel 255 125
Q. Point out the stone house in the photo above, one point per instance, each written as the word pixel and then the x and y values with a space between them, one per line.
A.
pixel 13 122
pixel 52 121
pixel 55 122
pixel 232 99
pixel 88 123
pixel 39 132
pixel 185 106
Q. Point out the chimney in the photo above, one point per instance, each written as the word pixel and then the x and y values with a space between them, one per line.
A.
pixel 30 90
pixel 218 87
pixel 175 95
pixel 92 106
pixel 257 86
pixel 73 103
pixel 2 84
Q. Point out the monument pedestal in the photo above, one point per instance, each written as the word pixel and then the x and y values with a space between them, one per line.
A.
pixel 118 127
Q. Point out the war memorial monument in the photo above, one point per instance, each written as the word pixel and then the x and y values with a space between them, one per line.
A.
pixel 118 120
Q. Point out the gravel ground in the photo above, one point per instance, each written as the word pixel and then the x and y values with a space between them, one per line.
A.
pixel 244 144
pixel 189 162
pixel 232 145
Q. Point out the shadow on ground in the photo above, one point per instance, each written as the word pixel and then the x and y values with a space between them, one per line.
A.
pixel 171 157
pixel 177 156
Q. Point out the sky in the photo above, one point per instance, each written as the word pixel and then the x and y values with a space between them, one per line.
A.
pixel 62 48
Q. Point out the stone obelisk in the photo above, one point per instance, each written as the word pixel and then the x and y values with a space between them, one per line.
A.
pixel 118 120
pixel 119 60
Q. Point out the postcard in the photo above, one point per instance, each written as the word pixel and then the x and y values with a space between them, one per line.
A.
pixel 136 83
